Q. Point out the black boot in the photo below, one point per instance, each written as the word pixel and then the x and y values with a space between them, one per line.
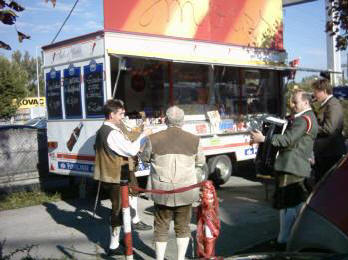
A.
pixel 115 252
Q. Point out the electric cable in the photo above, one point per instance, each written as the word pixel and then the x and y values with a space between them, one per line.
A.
pixel 66 19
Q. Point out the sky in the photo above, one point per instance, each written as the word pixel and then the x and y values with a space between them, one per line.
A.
pixel 304 24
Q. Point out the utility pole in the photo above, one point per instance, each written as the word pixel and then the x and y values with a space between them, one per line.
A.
pixel 333 56
pixel 37 74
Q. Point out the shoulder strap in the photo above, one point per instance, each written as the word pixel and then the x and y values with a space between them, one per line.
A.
pixel 309 123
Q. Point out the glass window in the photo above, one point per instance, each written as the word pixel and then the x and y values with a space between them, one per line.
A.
pixel 197 88
pixel 240 91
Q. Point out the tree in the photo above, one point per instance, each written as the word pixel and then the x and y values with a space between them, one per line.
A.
pixel 12 87
pixel 28 64
pixel 338 24
pixel 8 16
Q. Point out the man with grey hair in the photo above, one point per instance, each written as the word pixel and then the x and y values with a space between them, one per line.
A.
pixel 174 154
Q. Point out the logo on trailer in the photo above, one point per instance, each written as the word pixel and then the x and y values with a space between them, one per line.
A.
pixel 92 66
pixel 71 70
pixel 79 167
pixel 250 151
pixel 53 74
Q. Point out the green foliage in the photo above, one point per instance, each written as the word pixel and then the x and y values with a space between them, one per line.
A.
pixel 337 10
pixel 13 81
pixel 25 199
pixel 28 64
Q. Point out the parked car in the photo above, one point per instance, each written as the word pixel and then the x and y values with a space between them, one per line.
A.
pixel 6 127
pixel 322 225
pixel 37 122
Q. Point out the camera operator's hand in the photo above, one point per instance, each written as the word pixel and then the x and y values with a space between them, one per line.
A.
pixel 256 137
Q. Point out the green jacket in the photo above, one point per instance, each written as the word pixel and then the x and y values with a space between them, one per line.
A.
pixel 296 145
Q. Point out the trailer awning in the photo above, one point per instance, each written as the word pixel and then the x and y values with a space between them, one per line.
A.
pixel 191 51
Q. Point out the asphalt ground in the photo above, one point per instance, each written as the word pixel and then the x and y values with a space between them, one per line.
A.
pixel 67 229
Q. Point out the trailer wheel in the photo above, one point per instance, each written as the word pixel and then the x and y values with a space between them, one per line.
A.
pixel 220 169
pixel 202 173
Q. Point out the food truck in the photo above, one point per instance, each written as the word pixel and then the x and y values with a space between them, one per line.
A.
pixel 222 62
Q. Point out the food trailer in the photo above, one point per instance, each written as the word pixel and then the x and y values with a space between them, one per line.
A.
pixel 222 62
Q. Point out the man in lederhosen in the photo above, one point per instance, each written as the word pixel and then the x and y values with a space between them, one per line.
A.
pixel 174 155
pixel 112 163
pixel 293 162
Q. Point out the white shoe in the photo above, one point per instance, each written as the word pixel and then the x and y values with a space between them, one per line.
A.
pixel 160 250
pixel 182 243
pixel 115 238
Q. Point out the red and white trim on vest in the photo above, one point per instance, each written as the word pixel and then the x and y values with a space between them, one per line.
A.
pixel 309 123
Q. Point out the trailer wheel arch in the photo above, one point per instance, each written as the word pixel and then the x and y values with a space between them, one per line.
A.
pixel 220 168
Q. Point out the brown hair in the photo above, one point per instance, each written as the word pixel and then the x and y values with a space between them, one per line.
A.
pixel 322 85
pixel 112 105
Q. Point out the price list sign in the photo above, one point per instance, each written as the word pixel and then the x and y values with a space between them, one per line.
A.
pixel 53 95
pixel 94 96
pixel 72 92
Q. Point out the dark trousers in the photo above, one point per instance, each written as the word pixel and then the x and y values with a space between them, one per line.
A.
pixel 114 191
pixel 323 164
pixel 163 216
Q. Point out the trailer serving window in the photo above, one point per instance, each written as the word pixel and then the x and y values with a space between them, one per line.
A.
pixel 242 91
pixel 153 85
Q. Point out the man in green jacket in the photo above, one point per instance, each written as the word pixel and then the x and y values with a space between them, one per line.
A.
pixel 293 162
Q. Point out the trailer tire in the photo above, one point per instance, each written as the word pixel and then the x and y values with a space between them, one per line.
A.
pixel 220 169
pixel 205 172
pixel 202 173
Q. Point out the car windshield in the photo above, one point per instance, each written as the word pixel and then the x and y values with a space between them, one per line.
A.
pixel 33 121
pixel 38 122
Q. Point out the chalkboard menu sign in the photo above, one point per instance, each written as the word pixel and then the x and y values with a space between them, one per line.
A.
pixel 53 95
pixel 94 98
pixel 72 92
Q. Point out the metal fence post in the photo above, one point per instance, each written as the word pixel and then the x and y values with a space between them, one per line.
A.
pixel 127 227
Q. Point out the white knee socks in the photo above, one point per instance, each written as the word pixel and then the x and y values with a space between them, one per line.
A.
pixel 182 243
pixel 160 250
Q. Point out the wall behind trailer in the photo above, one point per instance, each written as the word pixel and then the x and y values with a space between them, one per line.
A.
pixel 23 156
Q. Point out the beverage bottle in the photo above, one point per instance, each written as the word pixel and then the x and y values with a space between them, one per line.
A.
pixel 74 136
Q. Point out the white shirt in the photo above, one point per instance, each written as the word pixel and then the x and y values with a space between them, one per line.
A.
pixel 302 112
pixel 326 100
pixel 120 144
